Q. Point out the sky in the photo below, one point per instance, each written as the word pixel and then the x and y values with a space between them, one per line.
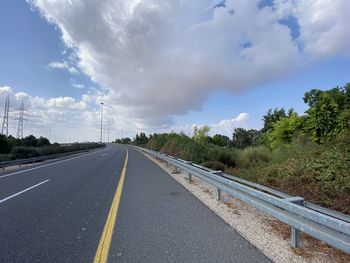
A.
pixel 165 65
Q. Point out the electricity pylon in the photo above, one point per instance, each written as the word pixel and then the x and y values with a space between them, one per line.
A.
pixel 20 122
pixel 5 122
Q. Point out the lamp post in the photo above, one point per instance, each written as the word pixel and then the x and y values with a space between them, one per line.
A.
pixel 101 121
pixel 108 132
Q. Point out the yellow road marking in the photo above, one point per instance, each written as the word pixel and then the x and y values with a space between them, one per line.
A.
pixel 106 238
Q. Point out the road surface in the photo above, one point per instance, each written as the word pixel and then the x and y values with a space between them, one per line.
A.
pixel 71 211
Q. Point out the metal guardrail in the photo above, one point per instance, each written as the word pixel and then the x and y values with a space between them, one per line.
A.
pixel 40 158
pixel 324 224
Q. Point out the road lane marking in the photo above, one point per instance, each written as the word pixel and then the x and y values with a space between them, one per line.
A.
pixel 23 191
pixel 49 164
pixel 106 238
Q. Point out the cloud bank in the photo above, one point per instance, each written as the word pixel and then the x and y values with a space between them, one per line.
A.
pixel 65 119
pixel 158 58
pixel 62 119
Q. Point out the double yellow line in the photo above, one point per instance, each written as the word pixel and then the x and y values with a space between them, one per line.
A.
pixel 106 238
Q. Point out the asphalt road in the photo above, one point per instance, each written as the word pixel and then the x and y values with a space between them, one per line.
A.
pixel 58 213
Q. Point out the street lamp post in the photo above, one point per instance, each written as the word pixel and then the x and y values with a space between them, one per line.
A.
pixel 101 120
pixel 108 132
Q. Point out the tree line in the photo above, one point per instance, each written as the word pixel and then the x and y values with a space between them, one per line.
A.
pixel 327 115
pixel 7 143
pixel 30 146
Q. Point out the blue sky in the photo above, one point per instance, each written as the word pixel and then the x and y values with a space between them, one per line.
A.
pixel 29 44
pixel 287 92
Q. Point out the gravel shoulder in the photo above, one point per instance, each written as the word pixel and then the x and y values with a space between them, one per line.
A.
pixel 269 235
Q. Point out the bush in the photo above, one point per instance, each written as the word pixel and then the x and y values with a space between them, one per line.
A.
pixel 22 152
pixel 42 141
pixel 319 173
pixel 157 141
pixel 215 165
pixel 251 156
pixel 223 155
pixel 5 146
pixel 185 148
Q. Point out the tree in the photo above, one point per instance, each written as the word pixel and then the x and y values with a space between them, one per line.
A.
pixel 5 146
pixel 125 140
pixel 14 141
pixel 141 139
pixel 200 135
pixel 157 141
pixel 274 116
pixel 242 138
pixel 220 140
pixel 30 141
pixel 42 141
pixel 328 112
pixel 284 130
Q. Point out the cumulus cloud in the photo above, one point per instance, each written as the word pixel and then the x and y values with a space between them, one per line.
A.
pixel 160 58
pixel 324 29
pixel 67 118
pixel 227 126
pixel 224 127
pixel 61 118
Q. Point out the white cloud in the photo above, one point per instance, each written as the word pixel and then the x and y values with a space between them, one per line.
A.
pixel 77 85
pixel 63 66
pixel 5 90
pixel 324 29
pixel 224 127
pixel 64 116
pixel 160 58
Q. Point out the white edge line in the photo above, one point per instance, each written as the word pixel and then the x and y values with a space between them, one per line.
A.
pixel 23 191
pixel 49 164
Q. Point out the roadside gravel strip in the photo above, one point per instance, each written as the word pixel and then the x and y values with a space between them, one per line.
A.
pixel 263 231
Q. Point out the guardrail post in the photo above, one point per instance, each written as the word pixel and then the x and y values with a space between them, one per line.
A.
pixel 189 174
pixel 218 197
pixel 294 239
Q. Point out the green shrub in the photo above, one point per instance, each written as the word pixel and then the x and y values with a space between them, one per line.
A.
pixel 5 145
pixel 22 152
pixel 157 141
pixel 251 156
pixel 319 173
pixel 215 165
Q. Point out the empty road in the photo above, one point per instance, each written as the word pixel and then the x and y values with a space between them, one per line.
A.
pixel 113 204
